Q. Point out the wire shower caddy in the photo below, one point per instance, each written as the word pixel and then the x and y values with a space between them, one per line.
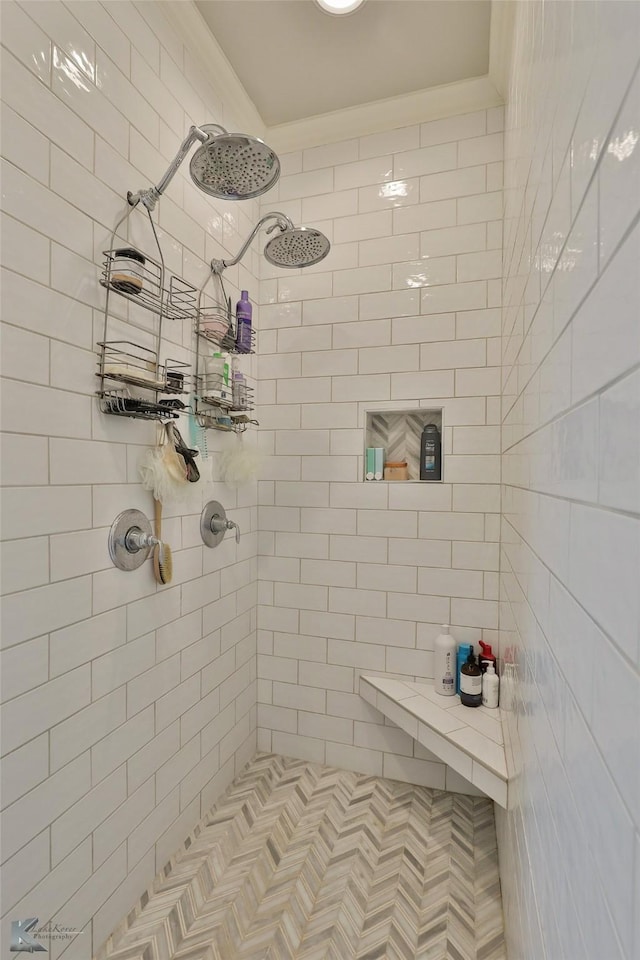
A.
pixel 215 406
pixel 123 364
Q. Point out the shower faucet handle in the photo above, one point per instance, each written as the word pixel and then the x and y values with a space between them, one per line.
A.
pixel 130 540
pixel 214 523
pixel 221 525
pixel 136 539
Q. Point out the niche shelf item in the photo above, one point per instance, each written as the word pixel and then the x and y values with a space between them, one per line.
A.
pixel 399 433
pixel 125 367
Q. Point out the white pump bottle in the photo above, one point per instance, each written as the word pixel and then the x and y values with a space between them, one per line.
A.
pixel 444 663
pixel 490 686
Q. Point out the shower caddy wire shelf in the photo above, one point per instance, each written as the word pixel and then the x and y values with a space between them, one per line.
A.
pixel 214 403
pixel 122 363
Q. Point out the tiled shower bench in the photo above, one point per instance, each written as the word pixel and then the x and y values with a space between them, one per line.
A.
pixel 468 740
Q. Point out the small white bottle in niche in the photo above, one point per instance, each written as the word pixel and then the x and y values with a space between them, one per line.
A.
pixel 444 663
pixel 490 685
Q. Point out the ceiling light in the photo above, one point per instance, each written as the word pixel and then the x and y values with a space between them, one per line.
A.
pixel 338 7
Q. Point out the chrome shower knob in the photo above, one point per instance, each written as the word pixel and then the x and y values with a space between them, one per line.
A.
pixel 136 539
pixel 214 524
pixel 130 540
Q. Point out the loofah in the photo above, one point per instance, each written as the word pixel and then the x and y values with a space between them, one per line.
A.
pixel 239 464
pixel 164 472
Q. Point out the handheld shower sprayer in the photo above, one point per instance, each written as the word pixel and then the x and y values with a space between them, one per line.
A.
pixel 291 247
pixel 230 166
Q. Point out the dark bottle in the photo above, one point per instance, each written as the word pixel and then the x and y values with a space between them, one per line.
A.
pixel 430 453
pixel 471 682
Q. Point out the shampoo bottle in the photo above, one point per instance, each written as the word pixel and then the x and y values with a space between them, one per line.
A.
pixel 430 453
pixel 226 377
pixel 244 313
pixel 471 682
pixel 490 685
pixel 444 658
pixel 214 376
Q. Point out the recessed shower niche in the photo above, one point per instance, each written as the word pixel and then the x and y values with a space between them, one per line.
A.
pixel 399 434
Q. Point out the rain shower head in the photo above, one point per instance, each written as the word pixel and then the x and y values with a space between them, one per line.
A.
pixel 297 247
pixel 230 166
pixel 292 247
pixel 234 166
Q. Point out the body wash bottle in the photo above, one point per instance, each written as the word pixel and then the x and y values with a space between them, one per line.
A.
pixel 444 663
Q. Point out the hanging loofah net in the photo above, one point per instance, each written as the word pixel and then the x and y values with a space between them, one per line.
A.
pixel 239 464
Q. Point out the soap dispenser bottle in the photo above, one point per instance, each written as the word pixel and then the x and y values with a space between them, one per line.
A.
pixel 471 682
pixel 444 660
pixel 487 656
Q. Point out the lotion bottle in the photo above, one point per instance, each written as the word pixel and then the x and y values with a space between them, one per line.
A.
pixel 471 682
pixel 490 685
pixel 444 658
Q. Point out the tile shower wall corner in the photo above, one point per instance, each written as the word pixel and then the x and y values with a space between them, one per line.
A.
pixel 404 313
pixel 571 468
pixel 127 708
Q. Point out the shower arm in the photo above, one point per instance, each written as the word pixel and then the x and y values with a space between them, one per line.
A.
pixel 282 221
pixel 150 197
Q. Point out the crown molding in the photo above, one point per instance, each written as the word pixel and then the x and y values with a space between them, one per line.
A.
pixel 434 103
pixel 237 106
pixel 447 100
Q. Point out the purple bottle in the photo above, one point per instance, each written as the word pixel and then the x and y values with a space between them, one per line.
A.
pixel 243 323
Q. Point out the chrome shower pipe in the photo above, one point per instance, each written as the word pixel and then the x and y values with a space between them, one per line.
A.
pixel 151 196
pixel 282 221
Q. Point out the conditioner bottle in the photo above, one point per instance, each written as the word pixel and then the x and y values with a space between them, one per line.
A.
pixel 444 658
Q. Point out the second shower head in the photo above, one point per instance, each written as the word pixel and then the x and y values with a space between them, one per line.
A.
pixel 293 247
pixel 297 247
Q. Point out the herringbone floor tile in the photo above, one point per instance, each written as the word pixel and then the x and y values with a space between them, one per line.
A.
pixel 305 862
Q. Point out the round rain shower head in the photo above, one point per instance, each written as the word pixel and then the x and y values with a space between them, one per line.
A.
pixel 234 166
pixel 297 247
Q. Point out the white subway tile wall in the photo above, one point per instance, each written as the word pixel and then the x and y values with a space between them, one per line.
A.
pixel 357 577
pixel 127 707
pixel 571 474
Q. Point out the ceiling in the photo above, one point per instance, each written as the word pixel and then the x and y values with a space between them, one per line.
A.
pixel 295 61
